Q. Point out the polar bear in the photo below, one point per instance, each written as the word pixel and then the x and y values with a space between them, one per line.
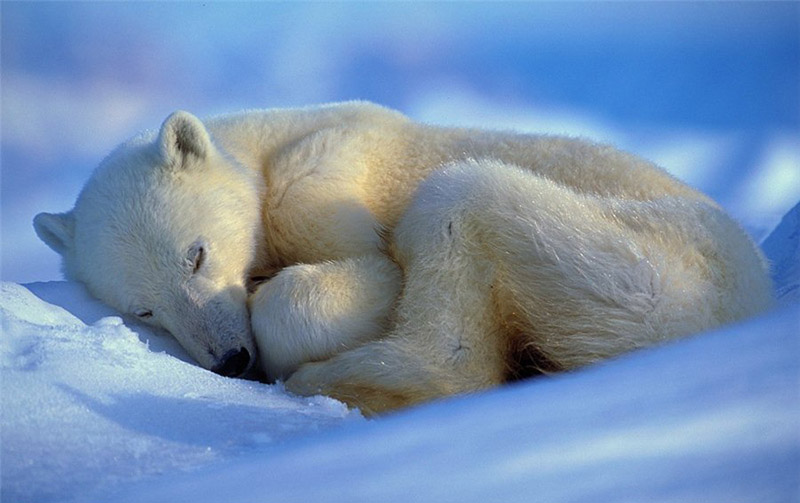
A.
pixel 385 262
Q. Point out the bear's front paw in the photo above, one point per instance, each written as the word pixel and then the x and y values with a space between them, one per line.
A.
pixel 306 381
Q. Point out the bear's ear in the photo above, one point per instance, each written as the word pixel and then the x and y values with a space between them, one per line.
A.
pixel 56 230
pixel 183 137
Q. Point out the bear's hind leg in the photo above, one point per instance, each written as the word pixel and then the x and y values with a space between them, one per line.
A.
pixel 445 339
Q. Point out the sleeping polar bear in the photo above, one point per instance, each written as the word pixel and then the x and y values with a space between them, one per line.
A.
pixel 385 262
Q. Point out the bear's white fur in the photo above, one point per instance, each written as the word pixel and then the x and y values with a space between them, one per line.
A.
pixel 394 262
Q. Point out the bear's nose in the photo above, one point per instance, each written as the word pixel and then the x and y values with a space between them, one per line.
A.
pixel 234 363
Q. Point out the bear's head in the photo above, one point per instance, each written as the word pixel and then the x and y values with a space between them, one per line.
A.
pixel 166 229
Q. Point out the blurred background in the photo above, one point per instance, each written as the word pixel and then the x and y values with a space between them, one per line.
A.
pixel 708 90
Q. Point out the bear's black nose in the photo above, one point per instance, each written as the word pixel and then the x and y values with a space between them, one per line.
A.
pixel 234 363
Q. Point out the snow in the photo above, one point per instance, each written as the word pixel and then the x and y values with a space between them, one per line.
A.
pixel 96 407
pixel 782 247
pixel 90 401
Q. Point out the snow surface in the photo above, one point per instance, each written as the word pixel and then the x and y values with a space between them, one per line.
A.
pixel 90 402
pixel 99 408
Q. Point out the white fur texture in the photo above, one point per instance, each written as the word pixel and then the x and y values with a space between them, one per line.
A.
pixel 310 312
pixel 407 261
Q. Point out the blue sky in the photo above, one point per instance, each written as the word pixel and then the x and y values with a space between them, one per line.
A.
pixel 708 90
